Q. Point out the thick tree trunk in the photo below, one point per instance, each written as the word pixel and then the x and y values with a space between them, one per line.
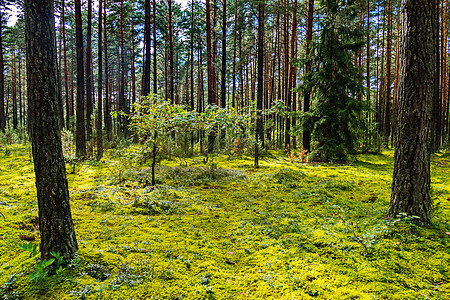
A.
pixel 81 127
pixel 411 182
pixel 55 220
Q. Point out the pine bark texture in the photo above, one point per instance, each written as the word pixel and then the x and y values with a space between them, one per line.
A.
pixel 411 181
pixel 80 141
pixel 100 86
pixel 2 84
pixel 55 220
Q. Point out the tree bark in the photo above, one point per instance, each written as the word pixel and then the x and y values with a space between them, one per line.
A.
pixel 259 133
pixel 411 181
pixel 107 114
pixel 2 84
pixel 80 142
pixel 55 220
pixel 307 94
pixel 147 39
pixel 88 61
pixel 155 79
pixel 387 100
pixel 100 86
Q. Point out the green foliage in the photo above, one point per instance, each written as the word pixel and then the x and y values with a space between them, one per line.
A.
pixel 335 118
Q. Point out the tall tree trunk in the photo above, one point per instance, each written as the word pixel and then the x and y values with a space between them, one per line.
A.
pixel 80 142
pixel 66 79
pixel 436 107
pixel 88 61
pixel 100 86
pixel 14 90
pixel 122 101
pixel 55 219
pixel 444 82
pixel 259 133
pixel 395 96
pixel 133 68
pixel 21 107
pixel 224 54
pixel 107 117
pixel 192 57
pixel 292 68
pixel 147 39
pixel 155 79
pixel 307 94
pixel 170 70
pixel 387 100
pixel 210 69
pixel 2 84
pixel 411 182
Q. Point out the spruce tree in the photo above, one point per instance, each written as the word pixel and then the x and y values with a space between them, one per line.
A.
pixel 334 117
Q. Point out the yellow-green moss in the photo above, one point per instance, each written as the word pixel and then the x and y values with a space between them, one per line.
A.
pixel 229 231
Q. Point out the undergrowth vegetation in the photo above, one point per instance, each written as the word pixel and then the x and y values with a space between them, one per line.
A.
pixel 225 230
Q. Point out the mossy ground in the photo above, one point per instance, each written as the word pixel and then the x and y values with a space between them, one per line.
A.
pixel 226 230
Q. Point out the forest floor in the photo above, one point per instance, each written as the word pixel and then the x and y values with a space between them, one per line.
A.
pixel 225 230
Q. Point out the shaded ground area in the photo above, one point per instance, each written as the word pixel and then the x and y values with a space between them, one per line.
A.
pixel 225 230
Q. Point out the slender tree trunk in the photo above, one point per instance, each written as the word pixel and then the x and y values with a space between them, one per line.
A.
pixel 411 181
pixel 146 73
pixel 307 94
pixel 436 107
pixel 100 86
pixel 444 81
pixel 133 68
pixel 292 69
pixel 170 70
pixel 387 100
pixel 55 219
pixel 107 117
pixel 21 116
pixel 81 129
pixel 14 90
pixel 2 84
pixel 88 61
pixel 122 101
pixel 66 79
pixel 259 133
pixel 395 96
pixel 210 69
pixel 155 79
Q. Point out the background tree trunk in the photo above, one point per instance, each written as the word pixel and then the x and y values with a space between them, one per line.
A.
pixel 100 86
pixel 81 127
